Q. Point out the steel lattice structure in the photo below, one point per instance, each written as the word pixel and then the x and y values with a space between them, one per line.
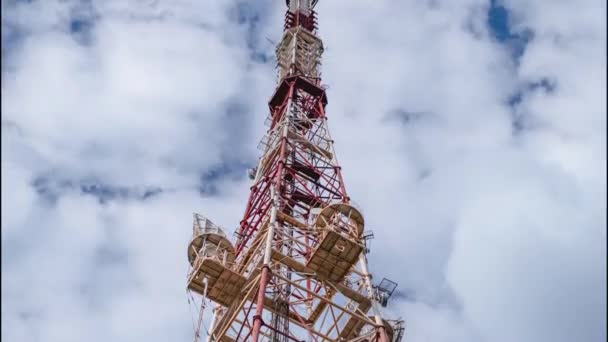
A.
pixel 298 270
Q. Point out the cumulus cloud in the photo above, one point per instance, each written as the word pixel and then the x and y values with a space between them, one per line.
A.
pixel 484 168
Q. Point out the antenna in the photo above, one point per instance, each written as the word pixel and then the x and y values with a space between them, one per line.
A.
pixel 384 291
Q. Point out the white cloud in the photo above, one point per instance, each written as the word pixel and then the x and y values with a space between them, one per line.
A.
pixel 148 92
pixel 486 193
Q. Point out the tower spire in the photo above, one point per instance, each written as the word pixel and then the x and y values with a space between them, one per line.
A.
pixel 301 5
pixel 300 49
pixel 298 270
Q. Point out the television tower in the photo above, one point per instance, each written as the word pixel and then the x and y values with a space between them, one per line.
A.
pixel 298 270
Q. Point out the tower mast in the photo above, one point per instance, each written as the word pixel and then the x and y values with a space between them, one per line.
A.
pixel 298 270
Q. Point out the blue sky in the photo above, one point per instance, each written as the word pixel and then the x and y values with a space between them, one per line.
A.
pixel 470 136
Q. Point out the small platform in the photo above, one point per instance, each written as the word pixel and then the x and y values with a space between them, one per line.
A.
pixel 351 219
pixel 334 256
pixel 218 242
pixel 223 284
pixel 340 226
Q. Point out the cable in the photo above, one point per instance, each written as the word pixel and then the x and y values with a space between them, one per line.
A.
pixel 190 309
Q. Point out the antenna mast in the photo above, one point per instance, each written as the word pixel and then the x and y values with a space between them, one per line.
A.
pixel 298 270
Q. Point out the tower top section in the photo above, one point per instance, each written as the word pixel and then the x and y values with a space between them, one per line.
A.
pixel 304 6
pixel 300 13
pixel 300 49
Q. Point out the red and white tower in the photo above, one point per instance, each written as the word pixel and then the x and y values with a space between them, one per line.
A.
pixel 298 270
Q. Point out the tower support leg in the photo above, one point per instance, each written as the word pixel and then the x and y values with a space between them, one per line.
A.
pixel 259 308
pixel 210 337
pixel 377 316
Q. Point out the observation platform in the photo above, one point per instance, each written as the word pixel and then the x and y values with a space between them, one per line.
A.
pixel 340 226
pixel 212 257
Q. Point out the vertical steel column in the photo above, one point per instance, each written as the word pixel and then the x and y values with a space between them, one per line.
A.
pixel 368 283
pixel 274 197
pixel 216 311
pixel 259 309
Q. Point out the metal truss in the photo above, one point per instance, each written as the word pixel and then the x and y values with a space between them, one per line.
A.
pixel 298 270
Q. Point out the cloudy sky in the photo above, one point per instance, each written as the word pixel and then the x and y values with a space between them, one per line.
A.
pixel 472 133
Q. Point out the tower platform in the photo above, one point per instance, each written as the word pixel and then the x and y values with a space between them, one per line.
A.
pixel 340 226
pixel 211 256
